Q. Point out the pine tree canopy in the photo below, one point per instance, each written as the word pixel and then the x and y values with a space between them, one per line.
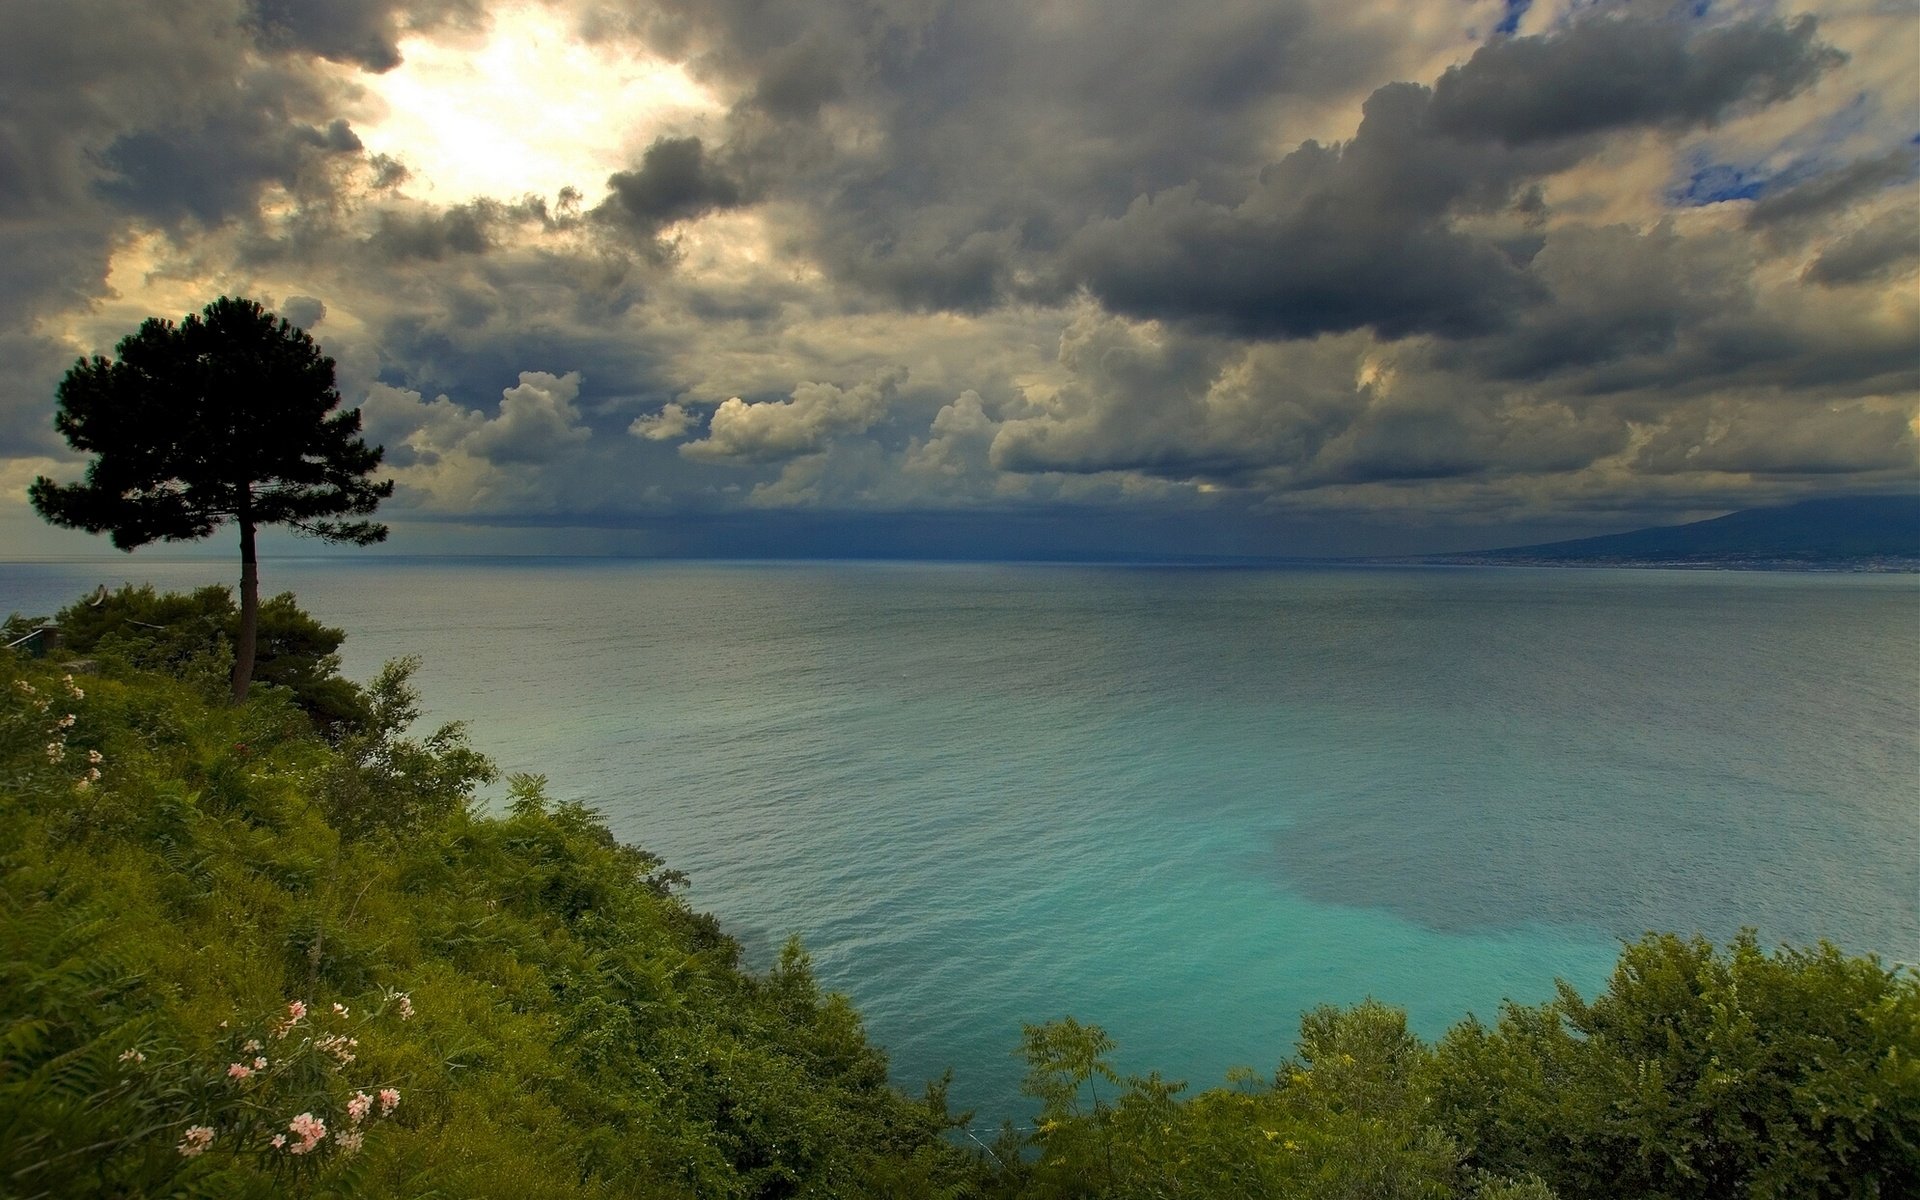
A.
pixel 228 415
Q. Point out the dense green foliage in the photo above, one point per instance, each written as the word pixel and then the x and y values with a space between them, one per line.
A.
pixel 224 925
pixel 193 633
pixel 1696 1074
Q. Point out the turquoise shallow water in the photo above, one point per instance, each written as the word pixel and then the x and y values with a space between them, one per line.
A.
pixel 1183 803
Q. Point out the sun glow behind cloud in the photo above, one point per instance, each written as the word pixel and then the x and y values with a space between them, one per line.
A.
pixel 526 107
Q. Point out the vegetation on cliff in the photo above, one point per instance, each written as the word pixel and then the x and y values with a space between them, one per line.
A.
pixel 277 949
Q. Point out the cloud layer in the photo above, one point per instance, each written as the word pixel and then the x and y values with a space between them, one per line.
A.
pixel 1240 265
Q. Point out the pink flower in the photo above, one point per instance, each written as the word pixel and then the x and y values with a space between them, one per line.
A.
pixel 56 751
pixel 195 1141
pixel 132 1056
pixel 251 1046
pixel 278 1141
pixel 238 1071
pixel 259 1064
pixel 95 757
pixel 358 1106
pixel 296 1010
pixel 389 1100
pixel 309 1129
pixel 406 1007
pixel 339 1045
pixel 339 1010
pixel 350 1141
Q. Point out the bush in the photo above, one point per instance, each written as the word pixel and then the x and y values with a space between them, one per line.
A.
pixel 380 781
pixel 1700 1074
pixel 191 636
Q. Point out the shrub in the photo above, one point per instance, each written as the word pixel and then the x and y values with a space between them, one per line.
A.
pixel 191 636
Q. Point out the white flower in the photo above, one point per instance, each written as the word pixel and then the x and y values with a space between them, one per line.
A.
pixel 195 1141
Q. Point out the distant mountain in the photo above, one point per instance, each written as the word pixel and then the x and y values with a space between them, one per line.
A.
pixel 1836 532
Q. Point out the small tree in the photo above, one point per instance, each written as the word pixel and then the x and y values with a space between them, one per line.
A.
pixel 227 416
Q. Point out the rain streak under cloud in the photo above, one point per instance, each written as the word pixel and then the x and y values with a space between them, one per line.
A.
pixel 1241 277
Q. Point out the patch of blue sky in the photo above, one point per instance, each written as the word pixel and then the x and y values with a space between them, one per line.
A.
pixel 1718 182
pixel 1509 22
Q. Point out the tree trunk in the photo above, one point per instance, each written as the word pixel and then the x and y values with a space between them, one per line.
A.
pixel 249 608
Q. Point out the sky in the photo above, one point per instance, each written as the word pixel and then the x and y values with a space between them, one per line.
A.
pixel 999 278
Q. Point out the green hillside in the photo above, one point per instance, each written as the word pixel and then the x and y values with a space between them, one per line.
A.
pixel 277 950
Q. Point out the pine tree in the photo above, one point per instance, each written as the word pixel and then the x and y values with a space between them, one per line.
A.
pixel 227 416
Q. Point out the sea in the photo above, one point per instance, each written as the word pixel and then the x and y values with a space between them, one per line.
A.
pixel 1183 803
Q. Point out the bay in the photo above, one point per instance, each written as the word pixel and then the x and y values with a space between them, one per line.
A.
pixel 1182 803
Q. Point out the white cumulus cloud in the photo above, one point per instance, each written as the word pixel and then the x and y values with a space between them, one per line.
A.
pixel 772 430
pixel 537 420
pixel 451 455
pixel 670 422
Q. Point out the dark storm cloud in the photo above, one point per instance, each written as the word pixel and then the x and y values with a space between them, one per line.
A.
pixel 676 181
pixel 1305 413
pixel 929 270
pixel 33 364
pixel 1835 190
pixel 304 311
pixel 1021 154
pixel 1447 437
pixel 1610 73
pixel 110 114
pixel 798 80
pixel 1777 435
pixel 216 168
pixel 1617 294
pixel 1334 238
pixel 1886 247
pixel 1365 234
pixel 988 132
pixel 475 227
pixel 362 32
pixel 462 229
pixel 74 76
pixel 115 116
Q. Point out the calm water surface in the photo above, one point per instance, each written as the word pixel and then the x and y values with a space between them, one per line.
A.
pixel 1182 803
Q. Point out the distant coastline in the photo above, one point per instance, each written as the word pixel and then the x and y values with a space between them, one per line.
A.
pixel 1884 565
pixel 1862 533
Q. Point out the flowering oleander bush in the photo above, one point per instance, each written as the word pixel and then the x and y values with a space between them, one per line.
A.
pixel 43 714
pixel 273 1102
